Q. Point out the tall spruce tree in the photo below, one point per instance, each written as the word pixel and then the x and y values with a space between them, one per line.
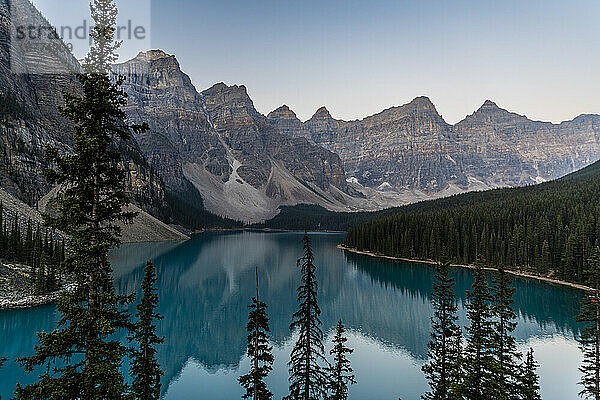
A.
pixel 529 386
pixel 443 366
pixel 103 53
pixel 589 340
pixel 507 358
pixel 340 372
pixel 308 365
pixel 259 351
pixel 82 358
pixel 145 368
pixel 478 358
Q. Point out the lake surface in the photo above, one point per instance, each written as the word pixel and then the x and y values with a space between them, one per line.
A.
pixel 205 286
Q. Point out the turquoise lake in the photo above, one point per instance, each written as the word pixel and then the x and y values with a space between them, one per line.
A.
pixel 205 285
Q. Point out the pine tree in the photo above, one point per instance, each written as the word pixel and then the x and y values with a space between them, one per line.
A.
pixel 589 340
pixel 506 368
pixel 102 54
pixel 40 277
pixel 456 374
pixel 259 351
pixel 145 369
pixel 529 387
pixel 340 372
pixel 478 360
pixel 82 357
pixel 308 366
pixel 443 366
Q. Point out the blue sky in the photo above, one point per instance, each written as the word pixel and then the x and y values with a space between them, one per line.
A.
pixel 538 58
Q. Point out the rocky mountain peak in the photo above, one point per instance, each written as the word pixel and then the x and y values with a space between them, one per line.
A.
pixel 489 104
pixel 158 70
pixel 223 89
pixel 489 108
pixel 283 112
pixel 154 57
pixel 154 54
pixel 286 121
pixel 490 113
pixel 420 109
pixel 423 102
pixel 322 113
pixel 220 95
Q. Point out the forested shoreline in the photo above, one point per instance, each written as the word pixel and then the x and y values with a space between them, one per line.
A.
pixel 40 250
pixel 548 230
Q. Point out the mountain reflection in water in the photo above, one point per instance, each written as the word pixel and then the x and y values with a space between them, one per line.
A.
pixel 205 285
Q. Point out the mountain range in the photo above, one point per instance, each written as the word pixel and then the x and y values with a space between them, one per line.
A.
pixel 216 142
pixel 411 147
pixel 211 154
pixel 246 165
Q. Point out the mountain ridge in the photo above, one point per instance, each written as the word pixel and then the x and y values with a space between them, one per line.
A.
pixel 412 147
pixel 218 142
pixel 487 103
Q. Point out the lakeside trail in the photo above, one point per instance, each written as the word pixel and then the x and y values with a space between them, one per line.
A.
pixel 512 272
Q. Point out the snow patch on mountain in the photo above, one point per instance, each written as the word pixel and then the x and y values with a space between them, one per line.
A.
pixel 385 187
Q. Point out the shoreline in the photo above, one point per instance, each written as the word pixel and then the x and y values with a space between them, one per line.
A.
pixel 32 300
pixel 518 274
pixel 265 230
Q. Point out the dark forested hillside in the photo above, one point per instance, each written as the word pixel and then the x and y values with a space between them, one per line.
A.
pixel 314 217
pixel 548 229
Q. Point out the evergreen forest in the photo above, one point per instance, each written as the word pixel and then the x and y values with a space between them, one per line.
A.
pixel 548 229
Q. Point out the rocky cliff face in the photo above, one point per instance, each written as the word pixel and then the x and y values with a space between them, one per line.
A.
pixel 508 149
pixel 286 121
pixel 243 167
pixel 31 86
pixel 214 149
pixel 161 95
pixel 412 148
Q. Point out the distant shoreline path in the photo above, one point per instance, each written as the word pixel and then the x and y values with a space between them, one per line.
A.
pixel 514 273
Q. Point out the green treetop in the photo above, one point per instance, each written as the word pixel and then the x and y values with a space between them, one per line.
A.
pixel 529 387
pixel 443 367
pixel 478 359
pixel 259 351
pixel 340 372
pixel 308 365
pixel 145 369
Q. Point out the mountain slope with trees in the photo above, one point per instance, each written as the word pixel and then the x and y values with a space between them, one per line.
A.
pixel 548 229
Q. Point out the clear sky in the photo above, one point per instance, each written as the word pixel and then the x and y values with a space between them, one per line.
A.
pixel 540 58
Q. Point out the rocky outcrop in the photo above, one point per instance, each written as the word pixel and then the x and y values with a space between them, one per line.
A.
pixel 161 95
pixel 250 135
pixel 33 79
pixel 402 146
pixel 286 121
pixel 507 149
pixel 412 148
pixel 243 167
pixel 146 228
